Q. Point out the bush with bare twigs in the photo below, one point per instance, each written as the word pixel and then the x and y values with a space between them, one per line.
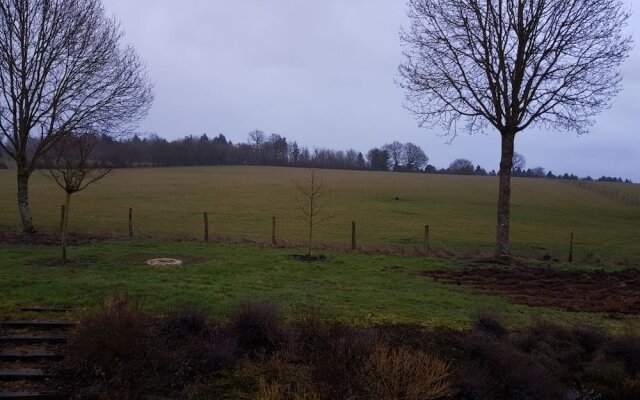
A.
pixel 402 373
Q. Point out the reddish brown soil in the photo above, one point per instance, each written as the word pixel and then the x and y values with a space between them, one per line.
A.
pixel 595 291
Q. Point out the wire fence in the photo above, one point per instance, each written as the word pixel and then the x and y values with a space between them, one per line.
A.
pixel 610 191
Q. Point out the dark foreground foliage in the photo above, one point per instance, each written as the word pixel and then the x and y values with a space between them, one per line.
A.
pixel 121 352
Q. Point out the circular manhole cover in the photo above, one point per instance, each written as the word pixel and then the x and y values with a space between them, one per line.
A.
pixel 164 262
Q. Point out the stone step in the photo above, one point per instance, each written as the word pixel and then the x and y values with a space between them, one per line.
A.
pixel 29 355
pixel 40 324
pixel 46 309
pixel 20 374
pixel 33 338
pixel 30 396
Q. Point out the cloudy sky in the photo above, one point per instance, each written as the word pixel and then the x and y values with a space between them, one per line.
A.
pixel 322 73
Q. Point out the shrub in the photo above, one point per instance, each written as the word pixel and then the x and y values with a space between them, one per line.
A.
pixel 589 338
pixel 631 389
pixel 183 323
pixel 278 380
pixel 602 380
pixel 489 324
pixel 626 348
pixel 258 326
pixel 279 391
pixel 113 346
pixel 337 354
pixel 405 374
pixel 200 357
pixel 262 380
pixel 495 370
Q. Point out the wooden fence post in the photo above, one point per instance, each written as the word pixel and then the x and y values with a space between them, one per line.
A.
pixel 273 231
pixel 353 235
pixel 427 240
pixel 206 226
pixel 571 248
pixel 130 222
pixel 62 211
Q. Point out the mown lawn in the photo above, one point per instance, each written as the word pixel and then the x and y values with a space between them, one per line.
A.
pixel 355 288
pixel 390 209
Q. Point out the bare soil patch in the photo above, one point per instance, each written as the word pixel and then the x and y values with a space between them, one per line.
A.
pixel 40 238
pixel 593 291
pixel 307 258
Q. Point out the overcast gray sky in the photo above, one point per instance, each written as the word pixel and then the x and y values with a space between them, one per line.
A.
pixel 322 73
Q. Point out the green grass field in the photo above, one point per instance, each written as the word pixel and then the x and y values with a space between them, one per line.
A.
pixel 355 288
pixel 169 202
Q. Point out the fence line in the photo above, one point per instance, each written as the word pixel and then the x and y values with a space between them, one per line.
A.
pixel 614 193
pixel 426 249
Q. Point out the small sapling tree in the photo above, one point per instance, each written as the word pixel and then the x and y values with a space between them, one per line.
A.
pixel 71 168
pixel 308 197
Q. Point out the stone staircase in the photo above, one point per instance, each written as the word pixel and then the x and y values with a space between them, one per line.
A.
pixel 29 353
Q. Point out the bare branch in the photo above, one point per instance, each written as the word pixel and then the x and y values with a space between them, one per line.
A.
pixel 513 63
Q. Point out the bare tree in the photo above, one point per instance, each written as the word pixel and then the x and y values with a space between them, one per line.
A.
pixel 378 159
pixel 309 204
pixel 461 166
pixel 538 172
pixel 512 64
pixel 396 152
pixel 62 69
pixel 519 162
pixel 414 157
pixel 258 138
pixel 71 168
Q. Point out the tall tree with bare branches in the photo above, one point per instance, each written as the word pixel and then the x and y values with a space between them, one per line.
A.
pixel 512 65
pixel 63 69
pixel 70 167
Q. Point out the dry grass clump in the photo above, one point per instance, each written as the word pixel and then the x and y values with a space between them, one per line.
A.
pixel 258 326
pixel 405 374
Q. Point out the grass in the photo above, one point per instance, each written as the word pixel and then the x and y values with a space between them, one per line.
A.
pixel 169 202
pixel 353 288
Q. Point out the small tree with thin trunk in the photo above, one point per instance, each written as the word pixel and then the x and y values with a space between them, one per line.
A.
pixel 512 65
pixel 71 168
pixel 308 197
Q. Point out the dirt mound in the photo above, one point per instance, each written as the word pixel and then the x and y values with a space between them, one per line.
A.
pixel 594 291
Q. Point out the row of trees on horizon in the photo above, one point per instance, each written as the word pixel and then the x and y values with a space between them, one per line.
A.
pixel 276 150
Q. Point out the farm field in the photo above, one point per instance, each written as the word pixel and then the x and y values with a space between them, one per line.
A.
pixel 356 289
pixel 390 209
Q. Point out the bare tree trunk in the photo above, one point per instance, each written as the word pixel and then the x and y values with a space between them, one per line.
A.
pixel 503 248
pixel 23 202
pixel 311 222
pixel 65 226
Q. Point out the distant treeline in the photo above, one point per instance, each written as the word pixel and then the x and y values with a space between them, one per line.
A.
pixel 276 150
